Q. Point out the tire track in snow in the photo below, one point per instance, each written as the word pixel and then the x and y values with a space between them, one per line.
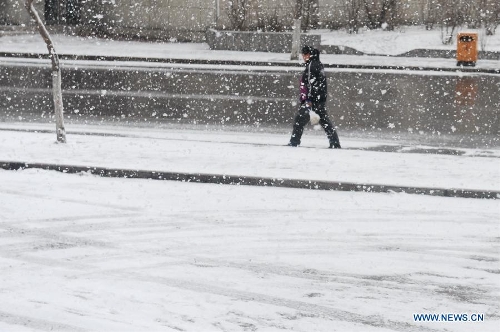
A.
pixel 320 310
pixel 74 218
pixel 324 311
pixel 397 282
pixel 37 323
pixel 43 238
pixel 69 200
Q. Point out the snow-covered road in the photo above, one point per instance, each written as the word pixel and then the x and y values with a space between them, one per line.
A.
pixel 83 253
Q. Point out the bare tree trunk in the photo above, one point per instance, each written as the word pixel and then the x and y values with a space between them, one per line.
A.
pixel 352 8
pixel 56 73
pixel 370 14
pixel 314 14
pixel 295 40
pixel 238 10
pixel 387 13
pixel 298 9
pixel 302 12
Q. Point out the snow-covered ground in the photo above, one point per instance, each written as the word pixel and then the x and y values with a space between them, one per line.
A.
pixel 402 40
pixel 84 253
pixel 382 43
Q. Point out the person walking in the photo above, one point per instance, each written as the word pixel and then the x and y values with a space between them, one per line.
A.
pixel 313 94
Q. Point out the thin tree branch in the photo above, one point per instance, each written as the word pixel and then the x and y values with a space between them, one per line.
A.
pixel 45 34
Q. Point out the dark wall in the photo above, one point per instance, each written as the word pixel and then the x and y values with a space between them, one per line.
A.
pixel 375 101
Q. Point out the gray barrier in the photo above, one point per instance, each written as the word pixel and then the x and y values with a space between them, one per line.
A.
pixel 277 42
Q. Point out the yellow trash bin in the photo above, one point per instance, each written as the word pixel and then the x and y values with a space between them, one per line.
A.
pixel 466 49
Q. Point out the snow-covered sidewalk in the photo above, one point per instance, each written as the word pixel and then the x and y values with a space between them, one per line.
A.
pixel 250 154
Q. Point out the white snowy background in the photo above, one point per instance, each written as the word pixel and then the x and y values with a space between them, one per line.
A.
pixel 83 253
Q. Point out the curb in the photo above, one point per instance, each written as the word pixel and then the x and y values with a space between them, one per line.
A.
pixel 242 63
pixel 252 181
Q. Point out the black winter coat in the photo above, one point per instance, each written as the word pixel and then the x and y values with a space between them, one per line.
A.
pixel 315 79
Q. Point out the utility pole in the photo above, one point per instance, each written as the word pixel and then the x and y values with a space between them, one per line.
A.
pixel 56 73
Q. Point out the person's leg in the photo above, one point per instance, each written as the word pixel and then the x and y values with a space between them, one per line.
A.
pixel 326 123
pixel 300 121
pixel 334 140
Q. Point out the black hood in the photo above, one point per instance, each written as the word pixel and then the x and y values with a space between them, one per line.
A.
pixel 315 54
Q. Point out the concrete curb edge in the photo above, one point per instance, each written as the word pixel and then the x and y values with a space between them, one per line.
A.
pixel 253 181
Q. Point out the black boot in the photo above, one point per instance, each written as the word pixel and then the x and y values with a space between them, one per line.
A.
pixel 334 141
pixel 334 145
